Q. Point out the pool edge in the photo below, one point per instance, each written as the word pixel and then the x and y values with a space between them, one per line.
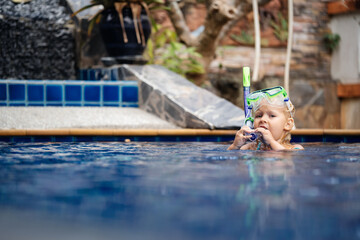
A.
pixel 158 135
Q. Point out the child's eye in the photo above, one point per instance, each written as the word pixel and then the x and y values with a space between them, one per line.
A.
pixel 272 115
pixel 258 116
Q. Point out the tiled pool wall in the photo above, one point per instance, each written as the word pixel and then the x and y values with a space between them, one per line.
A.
pixel 68 93
pixel 165 135
pixel 116 73
pixel 34 139
pixel 221 138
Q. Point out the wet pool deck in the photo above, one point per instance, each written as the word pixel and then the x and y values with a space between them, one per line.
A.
pixel 95 121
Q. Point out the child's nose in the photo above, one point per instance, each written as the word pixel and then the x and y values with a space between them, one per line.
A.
pixel 264 118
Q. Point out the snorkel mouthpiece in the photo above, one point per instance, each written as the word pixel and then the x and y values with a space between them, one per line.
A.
pixel 254 136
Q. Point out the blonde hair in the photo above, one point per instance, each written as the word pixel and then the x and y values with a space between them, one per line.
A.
pixel 291 112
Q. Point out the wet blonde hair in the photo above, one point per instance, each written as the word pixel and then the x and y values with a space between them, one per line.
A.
pixel 290 112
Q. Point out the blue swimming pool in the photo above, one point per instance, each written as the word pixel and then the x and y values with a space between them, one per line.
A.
pixel 172 190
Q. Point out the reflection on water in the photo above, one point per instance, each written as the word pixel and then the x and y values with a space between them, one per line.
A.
pixel 183 190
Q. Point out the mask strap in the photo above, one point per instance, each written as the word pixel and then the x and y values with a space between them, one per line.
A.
pixel 286 100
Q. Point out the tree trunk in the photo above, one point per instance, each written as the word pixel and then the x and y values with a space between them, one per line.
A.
pixel 219 14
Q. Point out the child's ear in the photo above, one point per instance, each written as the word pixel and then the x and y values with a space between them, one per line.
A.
pixel 289 124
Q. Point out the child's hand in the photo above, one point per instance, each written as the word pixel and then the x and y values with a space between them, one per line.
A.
pixel 241 137
pixel 268 139
pixel 266 135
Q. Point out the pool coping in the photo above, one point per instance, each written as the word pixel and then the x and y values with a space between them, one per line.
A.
pixel 160 132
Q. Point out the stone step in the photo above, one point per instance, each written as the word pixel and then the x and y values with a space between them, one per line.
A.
pixel 177 100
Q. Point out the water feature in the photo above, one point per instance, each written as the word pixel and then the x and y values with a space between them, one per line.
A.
pixel 186 190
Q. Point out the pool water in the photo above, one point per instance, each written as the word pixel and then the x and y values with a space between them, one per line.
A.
pixel 188 190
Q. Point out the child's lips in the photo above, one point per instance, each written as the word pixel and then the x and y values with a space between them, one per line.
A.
pixel 263 127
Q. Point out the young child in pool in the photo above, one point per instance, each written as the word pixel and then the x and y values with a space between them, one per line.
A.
pixel 273 120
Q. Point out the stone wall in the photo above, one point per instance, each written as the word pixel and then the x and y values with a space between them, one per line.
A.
pixel 345 65
pixel 312 90
pixel 36 41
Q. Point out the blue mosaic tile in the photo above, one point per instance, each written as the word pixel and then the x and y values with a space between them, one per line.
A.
pixel 337 139
pixel 351 139
pixel 35 92
pixel 90 74
pixel 105 138
pixel 5 139
pixel 189 139
pixel 111 104
pixel 92 104
pixel 146 139
pixel 98 74
pixel 42 139
pixel 226 138
pixel 327 138
pixel 36 104
pixel 83 74
pixel 84 139
pixel 92 93
pixel 111 93
pixel 22 139
pixel 17 92
pixel 73 104
pixel 168 139
pixel 106 74
pixel 301 138
pixel 63 93
pixel 54 104
pixel 125 138
pixel 129 93
pixel 63 139
pixel 54 93
pixel 134 105
pixel 208 138
pixel 114 74
pixel 17 104
pixel 3 92
pixel 73 93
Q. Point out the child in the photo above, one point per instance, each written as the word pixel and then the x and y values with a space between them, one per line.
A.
pixel 272 116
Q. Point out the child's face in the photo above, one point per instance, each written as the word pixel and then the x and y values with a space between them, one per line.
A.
pixel 271 118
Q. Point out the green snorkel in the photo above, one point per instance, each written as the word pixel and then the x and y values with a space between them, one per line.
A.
pixel 246 91
pixel 247 109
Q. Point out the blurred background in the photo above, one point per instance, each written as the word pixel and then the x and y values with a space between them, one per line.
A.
pixel 41 39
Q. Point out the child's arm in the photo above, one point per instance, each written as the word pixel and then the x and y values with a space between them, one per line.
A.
pixel 275 145
pixel 240 139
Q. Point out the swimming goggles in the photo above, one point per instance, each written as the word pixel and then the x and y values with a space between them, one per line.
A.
pixel 275 96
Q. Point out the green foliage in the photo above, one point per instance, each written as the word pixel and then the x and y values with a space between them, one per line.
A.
pixel 243 38
pixel 331 41
pixel 181 59
pixel 164 49
pixel 247 39
pixel 280 28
